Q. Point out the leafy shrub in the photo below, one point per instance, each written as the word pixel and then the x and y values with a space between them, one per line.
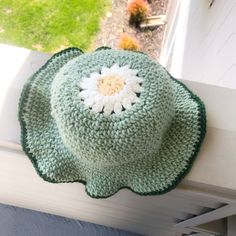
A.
pixel 128 42
pixel 138 10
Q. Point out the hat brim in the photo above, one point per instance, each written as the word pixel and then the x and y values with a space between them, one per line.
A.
pixel 158 174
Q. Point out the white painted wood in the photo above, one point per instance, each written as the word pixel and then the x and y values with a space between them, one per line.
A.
pixel 215 144
pixel 11 146
pixel 124 210
pixel 194 197
pixel 199 232
pixel 153 21
pixel 209 185
pixel 204 44
pixel 17 65
pixel 218 227
pixel 219 103
pixel 231 226
pixel 220 139
pixel 219 213
pixel 170 29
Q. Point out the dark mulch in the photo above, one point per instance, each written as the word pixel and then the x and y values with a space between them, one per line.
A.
pixel 116 22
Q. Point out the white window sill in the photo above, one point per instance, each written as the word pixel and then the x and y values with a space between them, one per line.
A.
pixel 213 171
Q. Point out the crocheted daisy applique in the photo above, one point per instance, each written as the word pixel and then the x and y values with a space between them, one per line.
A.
pixel 112 90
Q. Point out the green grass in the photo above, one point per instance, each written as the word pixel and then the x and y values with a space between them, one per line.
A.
pixel 50 25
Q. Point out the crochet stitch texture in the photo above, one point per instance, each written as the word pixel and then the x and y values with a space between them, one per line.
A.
pixel 148 148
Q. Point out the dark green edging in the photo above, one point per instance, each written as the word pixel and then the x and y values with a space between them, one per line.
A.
pixel 202 129
pixel 23 99
pixel 102 48
pixel 107 48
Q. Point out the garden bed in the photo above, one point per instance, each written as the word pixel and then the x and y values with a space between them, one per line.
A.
pixel 116 23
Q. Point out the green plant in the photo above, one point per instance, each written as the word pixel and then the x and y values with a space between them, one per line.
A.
pixel 128 42
pixel 138 10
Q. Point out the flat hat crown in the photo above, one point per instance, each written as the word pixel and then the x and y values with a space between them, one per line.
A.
pixel 112 107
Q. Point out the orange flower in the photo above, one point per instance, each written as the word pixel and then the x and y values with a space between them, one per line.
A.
pixel 138 10
pixel 128 42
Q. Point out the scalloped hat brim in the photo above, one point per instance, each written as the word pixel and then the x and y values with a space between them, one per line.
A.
pixel 160 172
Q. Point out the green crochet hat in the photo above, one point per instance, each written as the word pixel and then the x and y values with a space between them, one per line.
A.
pixel 110 119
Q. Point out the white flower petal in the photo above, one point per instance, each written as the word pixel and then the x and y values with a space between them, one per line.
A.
pixel 125 97
pixel 89 101
pixel 85 94
pixel 139 79
pixel 115 67
pixel 86 84
pixel 135 88
pixel 132 96
pixel 127 103
pixel 125 68
pixel 95 75
pixel 133 79
pixel 135 99
pixel 117 108
pixel 104 70
pixel 97 107
pixel 134 72
pixel 105 100
pixel 120 97
pixel 108 109
pixel 100 99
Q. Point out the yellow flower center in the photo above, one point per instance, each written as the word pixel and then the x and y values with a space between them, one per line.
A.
pixel 110 85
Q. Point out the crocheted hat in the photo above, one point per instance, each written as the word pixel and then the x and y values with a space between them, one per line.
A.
pixel 110 119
